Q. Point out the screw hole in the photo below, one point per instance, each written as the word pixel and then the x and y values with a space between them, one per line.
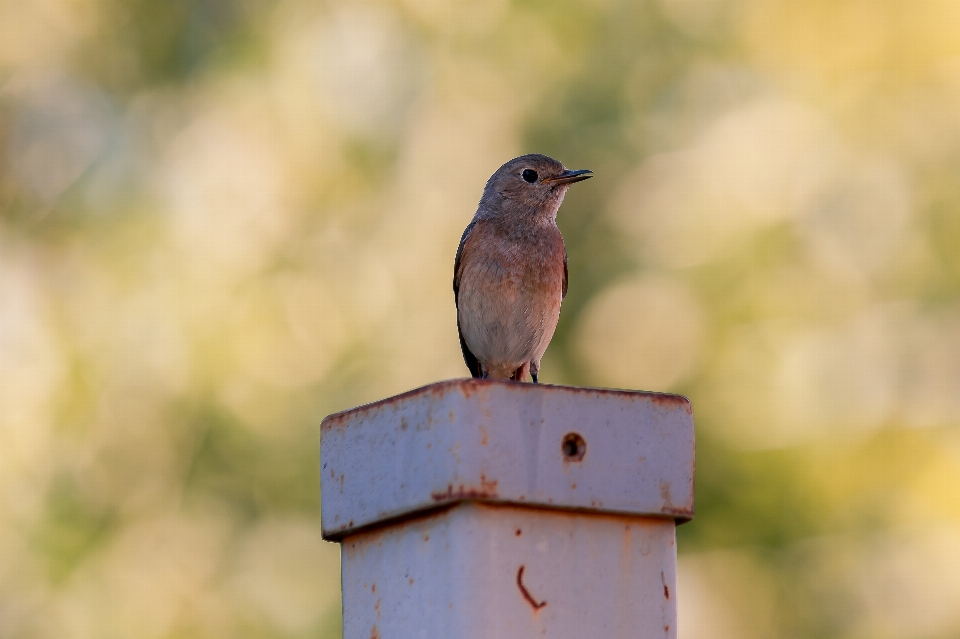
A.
pixel 574 447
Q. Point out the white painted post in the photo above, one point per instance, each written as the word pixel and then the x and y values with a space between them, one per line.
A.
pixel 479 509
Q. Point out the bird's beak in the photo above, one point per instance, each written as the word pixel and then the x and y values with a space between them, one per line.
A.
pixel 569 177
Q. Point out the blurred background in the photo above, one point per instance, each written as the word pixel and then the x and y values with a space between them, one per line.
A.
pixel 221 220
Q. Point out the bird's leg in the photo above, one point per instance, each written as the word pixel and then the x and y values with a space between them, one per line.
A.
pixel 520 373
pixel 534 371
pixel 483 371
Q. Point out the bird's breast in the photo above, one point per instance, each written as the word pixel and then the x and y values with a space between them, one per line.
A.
pixel 510 293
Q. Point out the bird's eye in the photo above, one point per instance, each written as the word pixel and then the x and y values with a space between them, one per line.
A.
pixel 529 175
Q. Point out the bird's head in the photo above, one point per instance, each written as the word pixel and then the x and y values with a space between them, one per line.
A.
pixel 530 185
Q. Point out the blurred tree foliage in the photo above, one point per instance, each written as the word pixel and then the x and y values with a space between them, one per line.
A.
pixel 220 221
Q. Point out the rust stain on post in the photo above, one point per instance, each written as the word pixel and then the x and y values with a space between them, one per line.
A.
pixel 536 605
pixel 665 491
pixel 667 400
pixel 680 514
pixel 468 388
pixel 487 490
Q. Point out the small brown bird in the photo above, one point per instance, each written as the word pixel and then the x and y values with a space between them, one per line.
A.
pixel 510 274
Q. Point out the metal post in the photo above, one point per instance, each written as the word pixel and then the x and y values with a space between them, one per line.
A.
pixel 470 508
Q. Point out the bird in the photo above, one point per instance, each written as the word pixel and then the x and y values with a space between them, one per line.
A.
pixel 510 273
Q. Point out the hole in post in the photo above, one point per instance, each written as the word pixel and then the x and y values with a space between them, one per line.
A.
pixel 574 447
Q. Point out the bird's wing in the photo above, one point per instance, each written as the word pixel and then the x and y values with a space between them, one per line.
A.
pixel 469 358
pixel 456 264
pixel 563 291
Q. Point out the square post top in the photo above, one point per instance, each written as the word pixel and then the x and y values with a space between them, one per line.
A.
pixel 557 447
